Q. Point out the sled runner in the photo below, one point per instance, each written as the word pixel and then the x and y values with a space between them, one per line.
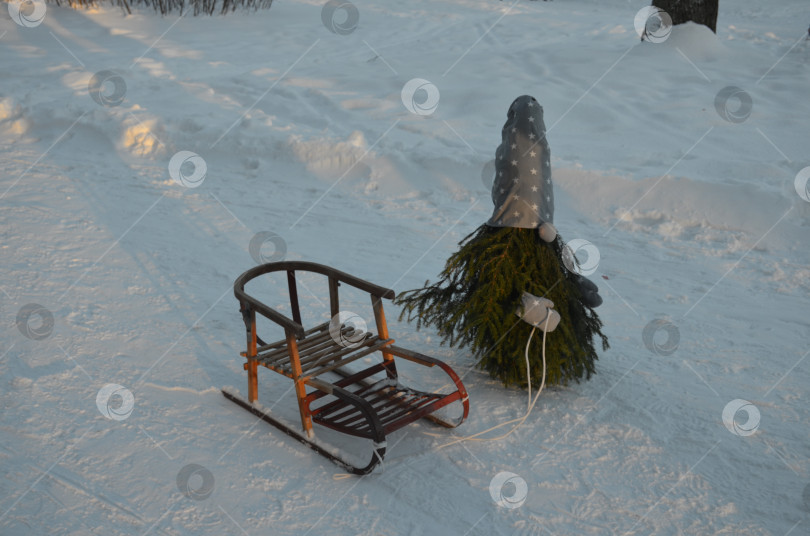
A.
pixel 369 403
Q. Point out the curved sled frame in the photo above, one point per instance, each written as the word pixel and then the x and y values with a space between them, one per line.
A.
pixel 357 404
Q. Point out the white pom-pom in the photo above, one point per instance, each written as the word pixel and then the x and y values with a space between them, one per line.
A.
pixel 547 232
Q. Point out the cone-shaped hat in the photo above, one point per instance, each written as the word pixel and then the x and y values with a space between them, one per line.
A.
pixel 522 191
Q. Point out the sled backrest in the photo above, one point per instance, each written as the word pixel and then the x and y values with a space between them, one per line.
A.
pixel 249 304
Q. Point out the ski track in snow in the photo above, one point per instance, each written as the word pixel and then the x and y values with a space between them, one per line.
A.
pixel 304 134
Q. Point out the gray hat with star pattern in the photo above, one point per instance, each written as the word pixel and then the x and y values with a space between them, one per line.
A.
pixel 522 191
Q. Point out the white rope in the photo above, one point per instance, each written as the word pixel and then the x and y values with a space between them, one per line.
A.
pixel 531 402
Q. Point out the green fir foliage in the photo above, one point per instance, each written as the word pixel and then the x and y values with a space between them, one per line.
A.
pixel 474 302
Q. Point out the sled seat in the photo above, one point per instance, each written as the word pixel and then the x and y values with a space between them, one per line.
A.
pixel 395 405
pixel 369 403
pixel 318 351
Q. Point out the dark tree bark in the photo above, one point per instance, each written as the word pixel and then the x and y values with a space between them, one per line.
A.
pixel 699 11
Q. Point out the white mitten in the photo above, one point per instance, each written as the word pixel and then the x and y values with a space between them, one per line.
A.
pixel 536 310
pixel 547 232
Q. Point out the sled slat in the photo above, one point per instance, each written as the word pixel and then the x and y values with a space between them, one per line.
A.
pixel 281 351
pixel 328 352
pixel 377 399
pixel 348 359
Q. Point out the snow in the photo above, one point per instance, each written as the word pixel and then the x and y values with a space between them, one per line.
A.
pixel 304 134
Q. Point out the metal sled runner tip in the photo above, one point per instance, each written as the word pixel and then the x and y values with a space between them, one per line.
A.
pixel 376 458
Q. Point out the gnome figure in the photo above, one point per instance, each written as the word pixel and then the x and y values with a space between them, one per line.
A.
pixel 512 261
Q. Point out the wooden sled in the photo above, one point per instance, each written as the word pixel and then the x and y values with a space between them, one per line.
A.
pixel 358 403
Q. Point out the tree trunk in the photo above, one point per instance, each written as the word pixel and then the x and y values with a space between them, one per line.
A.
pixel 699 11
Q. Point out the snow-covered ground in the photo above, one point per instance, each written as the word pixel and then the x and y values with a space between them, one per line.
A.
pixel 700 230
